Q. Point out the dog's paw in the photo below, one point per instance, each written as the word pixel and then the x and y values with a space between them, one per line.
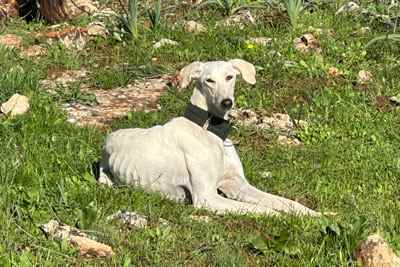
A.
pixel 103 179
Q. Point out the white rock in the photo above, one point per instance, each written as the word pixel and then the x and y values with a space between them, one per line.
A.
pixel 85 244
pixel 194 27
pixel 375 252
pixel 16 105
pixel 307 43
pixel 131 219
pixel 75 8
pixel 106 12
pixel 364 76
pixel 34 51
pixel 240 19
pixel 348 8
pixel 97 29
pixel 246 117
pixel 278 121
pixel 164 42
pixel 77 42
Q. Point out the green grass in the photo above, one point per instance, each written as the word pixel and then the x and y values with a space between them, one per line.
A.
pixel 349 164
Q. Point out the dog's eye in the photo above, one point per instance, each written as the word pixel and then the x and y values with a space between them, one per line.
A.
pixel 229 77
pixel 210 81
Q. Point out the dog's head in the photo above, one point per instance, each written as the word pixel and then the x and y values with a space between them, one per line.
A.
pixel 216 80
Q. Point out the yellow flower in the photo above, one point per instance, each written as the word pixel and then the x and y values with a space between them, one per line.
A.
pixel 250 46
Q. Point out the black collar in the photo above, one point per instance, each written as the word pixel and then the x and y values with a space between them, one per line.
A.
pixel 218 126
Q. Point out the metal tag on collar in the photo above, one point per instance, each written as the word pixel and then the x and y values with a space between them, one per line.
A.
pixel 207 123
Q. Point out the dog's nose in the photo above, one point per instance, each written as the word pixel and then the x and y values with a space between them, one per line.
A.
pixel 226 103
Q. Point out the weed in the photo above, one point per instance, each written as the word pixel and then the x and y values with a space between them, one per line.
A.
pixel 128 21
pixel 294 10
pixel 72 93
pixel 155 15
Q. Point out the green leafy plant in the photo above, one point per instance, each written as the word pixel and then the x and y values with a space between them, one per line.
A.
pixel 294 9
pixel 281 243
pixel 155 15
pixel 73 93
pixel 128 21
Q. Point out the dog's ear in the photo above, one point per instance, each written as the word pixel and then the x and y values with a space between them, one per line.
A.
pixel 189 73
pixel 246 69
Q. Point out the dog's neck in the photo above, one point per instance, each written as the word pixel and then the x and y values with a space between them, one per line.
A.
pixel 198 112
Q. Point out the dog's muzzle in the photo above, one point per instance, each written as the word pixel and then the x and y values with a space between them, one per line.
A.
pixel 226 104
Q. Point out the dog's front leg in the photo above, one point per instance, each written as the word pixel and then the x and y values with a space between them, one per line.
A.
pixel 235 186
pixel 221 205
pixel 237 189
pixel 203 179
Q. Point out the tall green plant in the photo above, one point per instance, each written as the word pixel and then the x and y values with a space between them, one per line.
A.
pixel 129 20
pixel 294 9
pixel 155 15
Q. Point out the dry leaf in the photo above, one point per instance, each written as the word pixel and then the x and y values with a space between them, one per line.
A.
pixel 334 72
pixel 284 140
pixel 8 8
pixel 16 105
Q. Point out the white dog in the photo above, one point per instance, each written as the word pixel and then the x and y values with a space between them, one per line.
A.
pixel 189 158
